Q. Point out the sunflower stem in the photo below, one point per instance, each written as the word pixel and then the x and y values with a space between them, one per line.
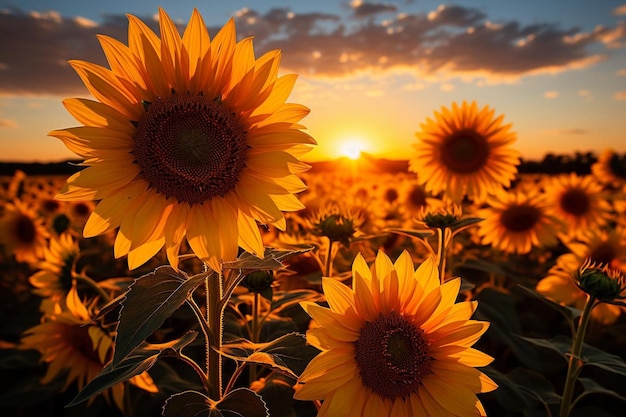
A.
pixel 575 361
pixel 328 264
pixel 215 320
pixel 441 255
pixel 255 330
pixel 94 285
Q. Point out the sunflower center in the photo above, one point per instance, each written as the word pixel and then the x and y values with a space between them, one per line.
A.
pixel 190 147
pixel 520 218
pixel 417 197
pixel 603 253
pixel 617 166
pixel 575 201
pixel 78 337
pixel 393 356
pixel 24 229
pixel 464 151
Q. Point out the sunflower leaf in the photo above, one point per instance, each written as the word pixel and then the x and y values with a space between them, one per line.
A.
pixel 150 300
pixel 272 259
pixel 570 313
pixel 288 354
pixel 140 360
pixel 420 234
pixel 239 402
pixel 592 387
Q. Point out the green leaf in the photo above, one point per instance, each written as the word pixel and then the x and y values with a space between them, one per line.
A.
pixel 420 234
pixel 592 387
pixel 498 308
pixel 570 313
pixel 272 259
pixel 536 383
pixel 288 354
pixel 465 223
pixel 591 356
pixel 241 402
pixel 138 361
pixel 150 300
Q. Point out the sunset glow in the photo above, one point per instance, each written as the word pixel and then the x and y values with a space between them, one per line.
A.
pixel 353 148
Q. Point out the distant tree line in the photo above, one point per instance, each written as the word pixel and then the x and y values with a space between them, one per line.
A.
pixel 579 163
pixel 551 163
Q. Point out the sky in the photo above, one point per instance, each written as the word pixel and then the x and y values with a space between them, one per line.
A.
pixel 370 71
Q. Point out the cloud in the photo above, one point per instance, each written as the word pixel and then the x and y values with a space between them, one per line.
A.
pixel 450 42
pixel 574 131
pixel 551 94
pixel 8 123
pixel 620 95
pixel 620 10
pixel 366 9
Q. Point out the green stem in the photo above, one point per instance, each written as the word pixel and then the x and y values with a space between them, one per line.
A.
pixel 441 255
pixel 328 267
pixel 215 319
pixel 94 285
pixel 255 330
pixel 575 361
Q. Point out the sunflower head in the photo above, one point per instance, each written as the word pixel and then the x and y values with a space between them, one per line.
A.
pixel 610 168
pixel 396 342
pixel 465 152
pixel 190 138
pixel 337 223
pixel 605 284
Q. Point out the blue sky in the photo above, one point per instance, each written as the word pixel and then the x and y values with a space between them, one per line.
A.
pixel 370 71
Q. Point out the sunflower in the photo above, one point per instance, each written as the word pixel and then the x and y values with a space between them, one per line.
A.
pixel 465 152
pixel 606 247
pixel 54 277
pixel 190 137
pixel 578 201
pixel 610 169
pixel 516 221
pixel 70 342
pixel 396 344
pixel 23 232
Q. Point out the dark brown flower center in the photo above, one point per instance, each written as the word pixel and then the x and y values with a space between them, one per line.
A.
pixel 520 218
pixel 464 151
pixel 417 197
pixel 575 201
pixel 190 147
pixel 391 195
pixel 393 356
pixel 604 253
pixel 24 229
pixel 617 165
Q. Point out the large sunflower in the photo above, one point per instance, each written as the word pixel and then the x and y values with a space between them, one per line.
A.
pixel 579 202
pixel 465 152
pixel 516 221
pixel 189 137
pixel 394 345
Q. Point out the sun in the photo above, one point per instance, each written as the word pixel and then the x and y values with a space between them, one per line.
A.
pixel 352 148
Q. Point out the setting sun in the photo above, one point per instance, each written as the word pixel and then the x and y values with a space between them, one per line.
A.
pixel 352 148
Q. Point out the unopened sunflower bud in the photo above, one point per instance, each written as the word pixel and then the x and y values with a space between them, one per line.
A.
pixel 258 281
pixel 603 283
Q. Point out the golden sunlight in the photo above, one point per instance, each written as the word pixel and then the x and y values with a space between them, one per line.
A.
pixel 352 148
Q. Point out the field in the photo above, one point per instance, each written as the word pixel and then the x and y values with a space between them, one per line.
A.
pixel 514 253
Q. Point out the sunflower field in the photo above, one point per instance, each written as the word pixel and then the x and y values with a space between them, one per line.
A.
pixel 193 264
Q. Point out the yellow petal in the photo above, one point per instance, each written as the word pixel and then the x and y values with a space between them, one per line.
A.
pixel 203 235
pixel 226 217
pixel 109 212
pixel 94 113
pixel 197 43
pixel 175 230
pixel 339 297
